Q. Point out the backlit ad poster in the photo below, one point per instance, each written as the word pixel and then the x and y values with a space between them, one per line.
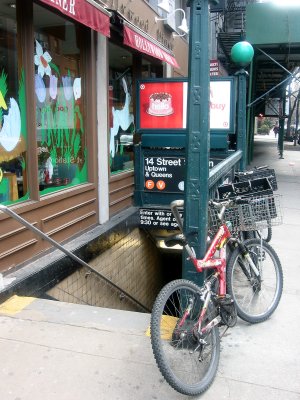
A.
pixel 162 105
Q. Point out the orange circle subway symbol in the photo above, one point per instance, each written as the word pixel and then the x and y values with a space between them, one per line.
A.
pixel 160 185
pixel 149 184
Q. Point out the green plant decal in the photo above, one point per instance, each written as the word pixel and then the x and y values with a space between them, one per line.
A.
pixel 61 121
pixel 3 89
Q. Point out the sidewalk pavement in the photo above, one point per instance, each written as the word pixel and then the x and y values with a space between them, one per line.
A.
pixel 59 351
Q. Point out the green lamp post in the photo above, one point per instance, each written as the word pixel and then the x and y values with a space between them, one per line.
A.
pixel 242 54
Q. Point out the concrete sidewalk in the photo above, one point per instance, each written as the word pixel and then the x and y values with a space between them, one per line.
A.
pixel 59 351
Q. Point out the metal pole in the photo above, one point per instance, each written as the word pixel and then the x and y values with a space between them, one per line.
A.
pixel 197 147
pixel 241 117
pixel 281 127
pixel 250 118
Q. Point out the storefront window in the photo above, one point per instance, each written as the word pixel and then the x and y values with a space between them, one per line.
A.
pixel 59 89
pixel 121 124
pixel 122 134
pixel 13 143
pixel 121 114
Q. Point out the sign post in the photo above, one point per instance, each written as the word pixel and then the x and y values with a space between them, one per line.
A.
pixel 198 145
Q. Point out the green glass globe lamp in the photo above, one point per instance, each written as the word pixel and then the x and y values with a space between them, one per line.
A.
pixel 242 53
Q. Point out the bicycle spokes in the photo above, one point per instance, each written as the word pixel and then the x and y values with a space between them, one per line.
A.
pixel 185 355
pixel 255 282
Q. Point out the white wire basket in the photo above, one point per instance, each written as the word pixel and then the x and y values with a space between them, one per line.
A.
pixel 260 212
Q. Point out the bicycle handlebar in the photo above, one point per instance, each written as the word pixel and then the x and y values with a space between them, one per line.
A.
pixel 228 203
pixel 219 205
pixel 174 208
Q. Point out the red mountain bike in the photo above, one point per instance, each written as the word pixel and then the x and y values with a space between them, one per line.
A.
pixel 185 318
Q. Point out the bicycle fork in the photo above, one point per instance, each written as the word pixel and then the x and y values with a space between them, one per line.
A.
pixel 202 331
pixel 207 297
pixel 246 255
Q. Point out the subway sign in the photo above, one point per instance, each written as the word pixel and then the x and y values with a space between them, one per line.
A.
pixel 164 174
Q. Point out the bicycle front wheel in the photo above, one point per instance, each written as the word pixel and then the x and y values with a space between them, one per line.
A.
pixel 189 364
pixel 256 297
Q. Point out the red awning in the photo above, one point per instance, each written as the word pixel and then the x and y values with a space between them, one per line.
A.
pixel 137 40
pixel 86 12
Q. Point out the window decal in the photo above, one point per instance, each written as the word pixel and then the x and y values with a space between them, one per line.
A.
pixel 62 154
pixel 121 118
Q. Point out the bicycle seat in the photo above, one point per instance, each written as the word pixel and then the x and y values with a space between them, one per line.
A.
pixel 172 240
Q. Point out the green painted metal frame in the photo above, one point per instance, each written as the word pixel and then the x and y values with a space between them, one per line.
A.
pixel 197 173
pixel 241 117
pixel 266 23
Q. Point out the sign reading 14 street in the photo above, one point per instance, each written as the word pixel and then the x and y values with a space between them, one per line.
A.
pixel 164 174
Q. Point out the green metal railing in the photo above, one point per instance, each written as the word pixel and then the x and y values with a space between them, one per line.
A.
pixel 223 169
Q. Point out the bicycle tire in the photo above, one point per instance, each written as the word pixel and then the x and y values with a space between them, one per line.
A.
pixel 175 348
pixel 256 298
pixel 265 234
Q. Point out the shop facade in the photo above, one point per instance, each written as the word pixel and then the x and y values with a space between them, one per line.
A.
pixel 68 73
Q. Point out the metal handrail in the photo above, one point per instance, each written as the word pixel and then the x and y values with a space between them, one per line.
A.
pixel 28 225
pixel 217 173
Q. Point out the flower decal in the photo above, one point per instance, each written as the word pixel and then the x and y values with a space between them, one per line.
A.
pixel 77 88
pixel 53 87
pixel 68 88
pixel 42 59
pixel 40 89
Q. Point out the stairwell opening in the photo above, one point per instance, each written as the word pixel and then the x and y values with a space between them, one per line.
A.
pixel 134 266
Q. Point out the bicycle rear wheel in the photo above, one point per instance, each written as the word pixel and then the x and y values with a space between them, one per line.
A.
pixel 187 364
pixel 256 297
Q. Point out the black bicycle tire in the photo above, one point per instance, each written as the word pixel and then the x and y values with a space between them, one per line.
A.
pixel 247 316
pixel 156 342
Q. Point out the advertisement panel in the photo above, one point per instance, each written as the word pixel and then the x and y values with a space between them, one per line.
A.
pixel 162 105
pixel 220 105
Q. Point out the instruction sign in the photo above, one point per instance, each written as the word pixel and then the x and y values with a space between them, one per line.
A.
pixel 155 218
pixel 164 174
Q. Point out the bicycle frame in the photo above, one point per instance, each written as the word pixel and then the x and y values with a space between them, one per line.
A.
pixel 209 262
pixel 219 264
pixel 219 243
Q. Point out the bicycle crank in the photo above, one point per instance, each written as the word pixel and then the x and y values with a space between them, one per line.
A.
pixel 228 310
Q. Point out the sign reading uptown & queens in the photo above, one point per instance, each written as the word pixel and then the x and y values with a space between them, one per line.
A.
pixel 164 174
